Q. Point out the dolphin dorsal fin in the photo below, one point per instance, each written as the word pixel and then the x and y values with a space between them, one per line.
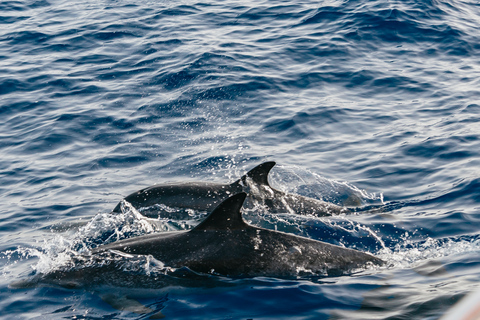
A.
pixel 259 174
pixel 226 215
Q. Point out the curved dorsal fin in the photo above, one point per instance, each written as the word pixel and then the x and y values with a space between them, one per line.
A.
pixel 226 215
pixel 259 174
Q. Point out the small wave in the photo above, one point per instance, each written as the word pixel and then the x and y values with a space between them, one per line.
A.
pixel 408 252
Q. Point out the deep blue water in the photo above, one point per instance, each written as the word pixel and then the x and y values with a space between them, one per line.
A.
pixel 376 98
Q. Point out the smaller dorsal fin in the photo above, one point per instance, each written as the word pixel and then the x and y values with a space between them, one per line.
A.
pixel 226 215
pixel 259 174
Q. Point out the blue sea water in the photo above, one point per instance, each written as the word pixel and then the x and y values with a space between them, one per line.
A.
pixel 374 98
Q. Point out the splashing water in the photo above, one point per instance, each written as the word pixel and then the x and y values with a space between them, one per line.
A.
pixel 304 182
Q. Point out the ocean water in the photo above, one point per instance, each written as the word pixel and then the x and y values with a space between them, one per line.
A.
pixel 379 99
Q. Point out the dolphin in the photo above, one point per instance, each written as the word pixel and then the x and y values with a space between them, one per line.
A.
pixel 205 196
pixel 224 244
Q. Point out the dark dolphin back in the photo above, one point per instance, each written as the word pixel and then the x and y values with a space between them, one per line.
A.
pixel 210 193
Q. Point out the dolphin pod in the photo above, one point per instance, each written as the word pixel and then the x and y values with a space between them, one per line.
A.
pixel 206 196
pixel 224 244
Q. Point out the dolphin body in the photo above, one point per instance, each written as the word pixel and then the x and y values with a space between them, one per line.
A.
pixel 223 244
pixel 206 196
